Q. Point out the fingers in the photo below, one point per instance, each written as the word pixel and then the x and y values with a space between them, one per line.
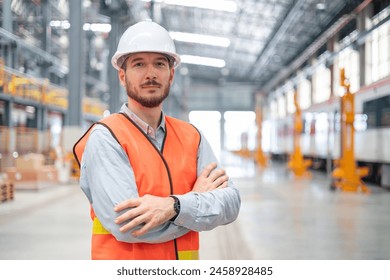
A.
pixel 145 213
pixel 142 219
pixel 215 177
pixel 130 225
pixel 216 174
pixel 224 185
pixel 208 169
pixel 210 179
pixel 130 203
pixel 133 215
pixel 130 214
pixel 210 173
pixel 221 180
pixel 142 230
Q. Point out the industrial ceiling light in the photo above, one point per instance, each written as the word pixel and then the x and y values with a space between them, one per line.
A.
pixel 200 39
pixel 60 24
pixel 201 60
pixel 217 5
pixel 321 6
pixel 95 27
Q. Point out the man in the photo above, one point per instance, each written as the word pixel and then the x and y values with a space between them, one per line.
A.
pixel 152 181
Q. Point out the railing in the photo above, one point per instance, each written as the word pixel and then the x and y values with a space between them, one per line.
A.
pixel 38 90
pixel 41 91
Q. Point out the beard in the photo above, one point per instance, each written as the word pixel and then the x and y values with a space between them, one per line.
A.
pixel 151 100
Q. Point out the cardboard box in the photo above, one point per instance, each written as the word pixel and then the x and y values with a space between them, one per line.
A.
pixel 47 176
pixel 30 162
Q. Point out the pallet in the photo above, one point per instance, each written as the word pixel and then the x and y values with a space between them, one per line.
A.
pixel 6 191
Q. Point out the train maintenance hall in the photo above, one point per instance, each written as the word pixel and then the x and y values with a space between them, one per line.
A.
pixel 291 98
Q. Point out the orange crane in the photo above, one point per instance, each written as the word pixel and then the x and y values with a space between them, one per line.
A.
pixel 347 176
pixel 297 163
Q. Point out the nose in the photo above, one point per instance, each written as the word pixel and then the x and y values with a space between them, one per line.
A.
pixel 151 73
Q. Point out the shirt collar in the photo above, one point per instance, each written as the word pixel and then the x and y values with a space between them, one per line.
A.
pixel 146 128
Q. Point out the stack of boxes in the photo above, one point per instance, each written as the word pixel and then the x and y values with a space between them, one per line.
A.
pixel 6 189
pixel 30 172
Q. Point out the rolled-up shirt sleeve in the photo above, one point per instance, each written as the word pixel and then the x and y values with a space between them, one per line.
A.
pixel 107 178
pixel 207 210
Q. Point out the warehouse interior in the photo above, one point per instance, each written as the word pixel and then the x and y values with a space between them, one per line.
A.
pixel 293 96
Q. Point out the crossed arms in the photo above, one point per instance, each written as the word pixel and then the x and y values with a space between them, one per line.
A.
pixel 213 201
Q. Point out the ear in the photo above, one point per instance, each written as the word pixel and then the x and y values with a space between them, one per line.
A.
pixel 172 74
pixel 122 77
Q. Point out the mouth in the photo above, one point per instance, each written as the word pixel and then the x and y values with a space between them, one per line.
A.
pixel 151 84
pixel 150 87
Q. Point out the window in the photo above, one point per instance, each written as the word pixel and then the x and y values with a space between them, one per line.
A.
pixel 281 106
pixel 377 112
pixel 274 109
pixel 349 60
pixel 377 51
pixel 290 101
pixel 304 93
pixel 321 80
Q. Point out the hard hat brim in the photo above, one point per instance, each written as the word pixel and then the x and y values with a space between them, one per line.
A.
pixel 117 60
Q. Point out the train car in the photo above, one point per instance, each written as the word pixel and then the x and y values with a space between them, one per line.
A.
pixel 320 138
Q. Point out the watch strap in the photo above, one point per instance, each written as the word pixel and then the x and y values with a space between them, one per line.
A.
pixel 176 207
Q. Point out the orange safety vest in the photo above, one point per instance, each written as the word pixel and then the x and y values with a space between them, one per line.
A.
pixel 171 171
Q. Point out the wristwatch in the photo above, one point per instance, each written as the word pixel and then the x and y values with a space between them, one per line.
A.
pixel 176 207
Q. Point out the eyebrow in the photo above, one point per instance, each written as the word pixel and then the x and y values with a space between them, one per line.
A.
pixel 137 59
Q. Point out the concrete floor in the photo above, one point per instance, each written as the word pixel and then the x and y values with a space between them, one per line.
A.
pixel 281 218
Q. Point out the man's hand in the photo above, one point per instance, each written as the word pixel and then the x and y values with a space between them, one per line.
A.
pixel 149 210
pixel 211 179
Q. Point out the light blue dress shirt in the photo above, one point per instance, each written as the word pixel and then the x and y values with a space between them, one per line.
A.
pixel 107 178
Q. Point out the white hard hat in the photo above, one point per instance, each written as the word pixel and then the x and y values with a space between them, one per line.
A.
pixel 145 36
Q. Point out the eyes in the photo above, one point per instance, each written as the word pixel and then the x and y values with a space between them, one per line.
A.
pixel 161 64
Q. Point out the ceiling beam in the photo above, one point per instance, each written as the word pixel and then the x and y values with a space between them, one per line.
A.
pixel 268 50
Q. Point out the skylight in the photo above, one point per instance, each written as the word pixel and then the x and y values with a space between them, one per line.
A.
pixel 217 5
pixel 201 60
pixel 200 39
